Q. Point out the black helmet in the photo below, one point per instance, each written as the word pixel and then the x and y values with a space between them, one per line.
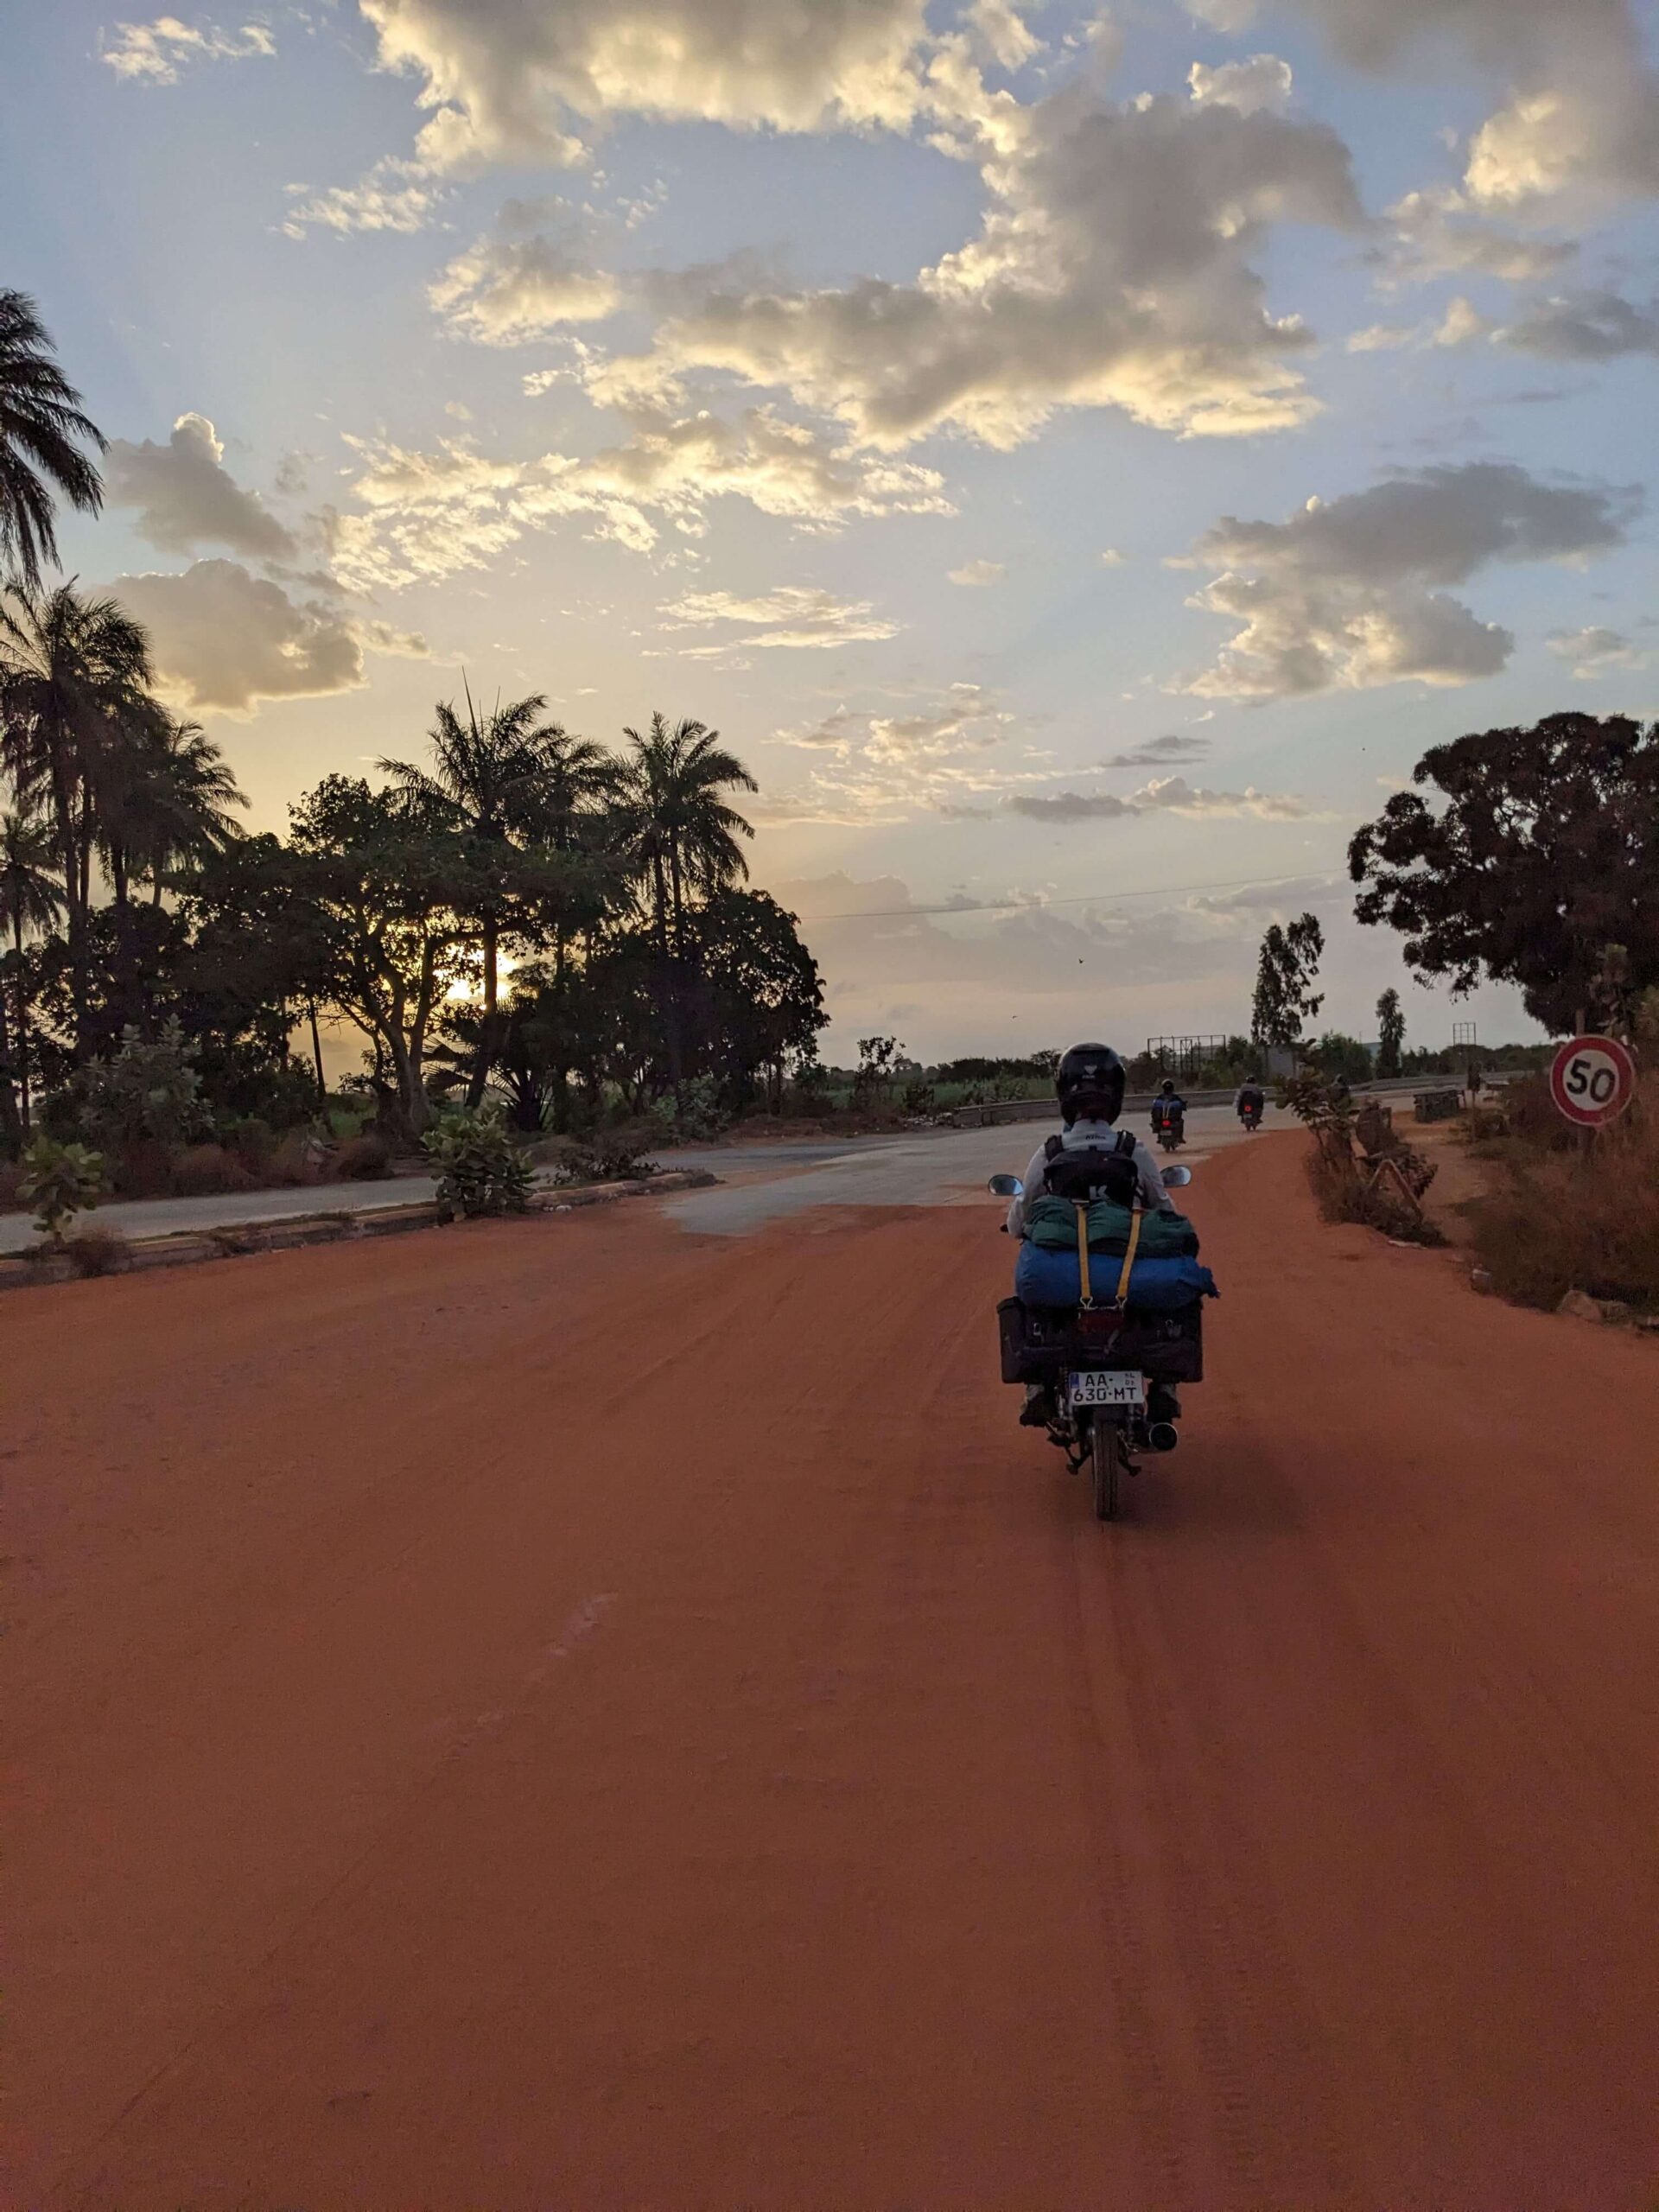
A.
pixel 1090 1083
pixel 1169 1084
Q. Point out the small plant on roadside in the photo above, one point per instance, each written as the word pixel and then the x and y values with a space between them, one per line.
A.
pixel 1359 1169
pixel 59 1181
pixel 481 1170
pixel 98 1252
pixel 618 1155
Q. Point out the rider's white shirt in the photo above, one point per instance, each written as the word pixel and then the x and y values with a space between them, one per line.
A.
pixel 1078 1137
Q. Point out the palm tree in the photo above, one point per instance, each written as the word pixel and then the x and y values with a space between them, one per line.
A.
pixel 41 430
pixel 488 780
pixel 681 834
pixel 31 897
pixel 162 797
pixel 176 806
pixel 684 835
pixel 575 781
pixel 75 686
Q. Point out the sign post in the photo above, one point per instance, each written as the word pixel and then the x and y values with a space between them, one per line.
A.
pixel 1592 1080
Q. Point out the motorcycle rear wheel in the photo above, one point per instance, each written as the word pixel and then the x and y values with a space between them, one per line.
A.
pixel 1105 1461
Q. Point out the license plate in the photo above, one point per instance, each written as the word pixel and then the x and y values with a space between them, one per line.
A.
pixel 1106 1387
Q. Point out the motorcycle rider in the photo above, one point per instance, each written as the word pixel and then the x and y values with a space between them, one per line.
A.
pixel 1251 1099
pixel 1168 1106
pixel 1088 1082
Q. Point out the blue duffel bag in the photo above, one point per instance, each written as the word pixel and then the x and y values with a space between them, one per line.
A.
pixel 1043 1278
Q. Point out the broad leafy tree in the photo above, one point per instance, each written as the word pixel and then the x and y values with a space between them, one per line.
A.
pixel 1529 856
pixel 1287 968
pixel 759 996
pixel 392 886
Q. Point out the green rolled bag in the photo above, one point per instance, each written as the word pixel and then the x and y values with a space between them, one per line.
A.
pixel 1051 1226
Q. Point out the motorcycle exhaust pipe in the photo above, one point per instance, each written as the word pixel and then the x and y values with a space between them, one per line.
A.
pixel 1162 1437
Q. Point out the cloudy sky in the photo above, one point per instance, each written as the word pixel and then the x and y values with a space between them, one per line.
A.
pixel 1080 455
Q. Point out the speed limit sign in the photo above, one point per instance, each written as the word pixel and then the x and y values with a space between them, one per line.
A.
pixel 1591 1079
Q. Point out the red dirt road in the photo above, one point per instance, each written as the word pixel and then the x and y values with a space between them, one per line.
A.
pixel 482 1741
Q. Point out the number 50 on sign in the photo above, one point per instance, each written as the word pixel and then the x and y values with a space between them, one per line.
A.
pixel 1591 1080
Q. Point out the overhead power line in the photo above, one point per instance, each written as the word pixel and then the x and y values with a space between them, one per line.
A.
pixel 1039 905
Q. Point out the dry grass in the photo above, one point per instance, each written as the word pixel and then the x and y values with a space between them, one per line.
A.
pixel 291 1165
pixel 206 1170
pixel 1576 1218
pixel 1343 1194
pixel 141 1169
pixel 95 1251
pixel 1531 1116
pixel 366 1159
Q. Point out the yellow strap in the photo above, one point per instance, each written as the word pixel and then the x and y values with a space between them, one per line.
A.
pixel 1135 1219
pixel 1083 1253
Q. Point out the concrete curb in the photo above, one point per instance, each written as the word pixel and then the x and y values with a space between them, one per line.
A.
pixel 184 1248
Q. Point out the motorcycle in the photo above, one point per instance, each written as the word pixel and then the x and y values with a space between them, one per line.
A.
pixel 1099 1368
pixel 1251 1114
pixel 1171 1128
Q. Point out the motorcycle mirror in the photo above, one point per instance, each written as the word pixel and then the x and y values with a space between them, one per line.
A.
pixel 1175 1177
pixel 1007 1187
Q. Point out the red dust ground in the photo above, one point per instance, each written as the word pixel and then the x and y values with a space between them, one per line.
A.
pixel 576 1714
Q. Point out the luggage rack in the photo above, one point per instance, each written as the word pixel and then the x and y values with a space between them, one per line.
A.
pixel 1039 1343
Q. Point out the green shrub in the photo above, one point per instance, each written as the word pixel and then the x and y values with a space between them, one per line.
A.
pixel 148 1093
pixel 699 1116
pixel 481 1170
pixel 59 1181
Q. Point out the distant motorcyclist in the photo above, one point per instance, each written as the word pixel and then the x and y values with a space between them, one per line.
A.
pixel 1168 1108
pixel 1089 1084
pixel 1250 1101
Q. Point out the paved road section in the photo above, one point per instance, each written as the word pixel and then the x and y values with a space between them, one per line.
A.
pixel 588 1713
pixel 949 1168
pixel 163 1217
